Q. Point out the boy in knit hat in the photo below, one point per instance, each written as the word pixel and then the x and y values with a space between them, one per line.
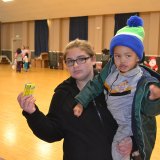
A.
pixel 132 91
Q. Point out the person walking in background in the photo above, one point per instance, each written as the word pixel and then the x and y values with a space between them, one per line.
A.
pixel 87 138
pixel 23 50
pixel 25 61
pixel 132 91
pixel 19 61
pixel 27 50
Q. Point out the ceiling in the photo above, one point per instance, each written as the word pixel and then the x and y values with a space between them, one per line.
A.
pixel 24 10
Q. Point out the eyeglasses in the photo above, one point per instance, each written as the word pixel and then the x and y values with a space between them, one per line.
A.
pixel 71 62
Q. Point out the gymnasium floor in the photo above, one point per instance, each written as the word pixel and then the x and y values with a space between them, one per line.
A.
pixel 16 140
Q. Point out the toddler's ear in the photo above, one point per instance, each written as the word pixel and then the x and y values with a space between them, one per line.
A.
pixel 138 60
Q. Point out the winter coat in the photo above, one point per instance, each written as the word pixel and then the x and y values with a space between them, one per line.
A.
pixel 86 138
pixel 143 109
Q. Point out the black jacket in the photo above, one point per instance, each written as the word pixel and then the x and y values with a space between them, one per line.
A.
pixel 88 137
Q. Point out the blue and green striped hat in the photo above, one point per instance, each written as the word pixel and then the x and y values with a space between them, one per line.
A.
pixel 130 36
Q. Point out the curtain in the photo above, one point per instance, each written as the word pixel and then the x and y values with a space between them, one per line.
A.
pixel 78 28
pixel 41 37
pixel 121 20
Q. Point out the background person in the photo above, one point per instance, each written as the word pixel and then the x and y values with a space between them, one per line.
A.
pixel 19 60
pixel 25 61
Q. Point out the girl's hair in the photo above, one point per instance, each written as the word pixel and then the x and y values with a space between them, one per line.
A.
pixel 19 51
pixel 26 54
pixel 82 45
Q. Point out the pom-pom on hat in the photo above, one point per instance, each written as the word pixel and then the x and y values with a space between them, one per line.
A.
pixel 130 36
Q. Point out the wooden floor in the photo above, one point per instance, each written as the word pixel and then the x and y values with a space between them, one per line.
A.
pixel 16 140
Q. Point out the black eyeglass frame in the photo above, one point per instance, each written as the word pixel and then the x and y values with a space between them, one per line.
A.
pixel 80 60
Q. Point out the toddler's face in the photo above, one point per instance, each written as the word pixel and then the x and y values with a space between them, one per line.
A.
pixel 125 58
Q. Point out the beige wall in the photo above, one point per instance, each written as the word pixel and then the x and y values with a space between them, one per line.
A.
pixel 5 36
pixel 152 32
pixel 30 39
pixel 100 32
pixel 58 33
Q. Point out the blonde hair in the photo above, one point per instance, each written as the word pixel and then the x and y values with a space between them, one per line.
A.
pixel 82 45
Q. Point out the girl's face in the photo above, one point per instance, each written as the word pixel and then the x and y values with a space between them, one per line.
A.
pixel 82 68
pixel 125 58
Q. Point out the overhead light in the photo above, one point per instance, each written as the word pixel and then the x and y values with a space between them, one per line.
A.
pixel 7 0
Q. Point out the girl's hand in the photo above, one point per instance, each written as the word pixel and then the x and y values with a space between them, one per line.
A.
pixel 27 103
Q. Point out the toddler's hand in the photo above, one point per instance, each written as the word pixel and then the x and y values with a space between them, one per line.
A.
pixel 78 109
pixel 154 92
pixel 125 146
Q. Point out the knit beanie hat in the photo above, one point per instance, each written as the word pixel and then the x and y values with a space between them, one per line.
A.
pixel 130 36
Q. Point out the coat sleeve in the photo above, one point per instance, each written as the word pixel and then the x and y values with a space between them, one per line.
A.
pixel 48 127
pixel 93 88
pixel 150 107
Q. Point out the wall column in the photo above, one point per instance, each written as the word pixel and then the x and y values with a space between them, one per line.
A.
pixel 25 33
pixel 98 33
pixel 154 33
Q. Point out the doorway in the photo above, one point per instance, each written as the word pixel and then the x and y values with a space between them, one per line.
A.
pixel 16 43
